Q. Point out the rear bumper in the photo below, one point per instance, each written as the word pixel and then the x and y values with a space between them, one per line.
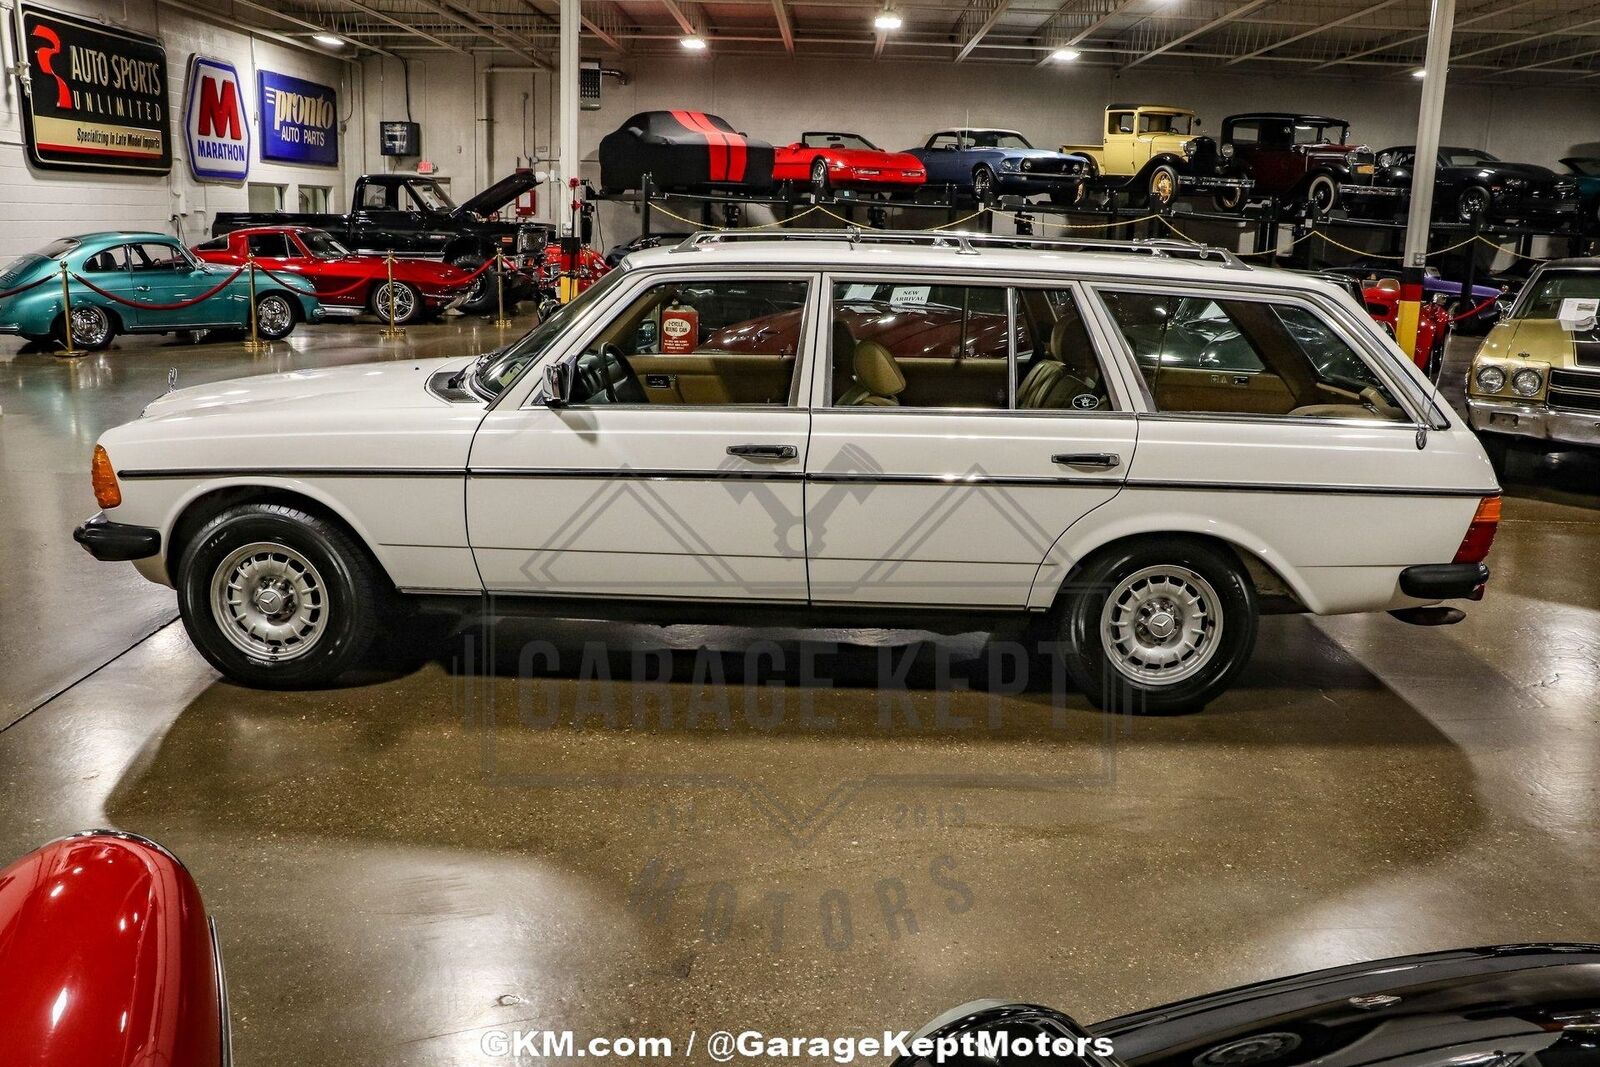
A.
pixel 1534 421
pixel 117 542
pixel 1445 581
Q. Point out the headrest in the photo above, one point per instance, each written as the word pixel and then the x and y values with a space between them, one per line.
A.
pixel 877 371
pixel 843 340
pixel 1388 285
pixel 1060 335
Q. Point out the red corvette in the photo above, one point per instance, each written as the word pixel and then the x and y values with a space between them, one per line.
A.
pixel 345 282
pixel 1382 299
pixel 828 161
pixel 107 957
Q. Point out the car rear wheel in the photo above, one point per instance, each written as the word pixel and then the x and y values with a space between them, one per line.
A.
pixel 820 185
pixel 274 316
pixel 92 328
pixel 405 298
pixel 278 598
pixel 1158 626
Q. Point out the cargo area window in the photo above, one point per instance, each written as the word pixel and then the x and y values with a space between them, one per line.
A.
pixel 1247 357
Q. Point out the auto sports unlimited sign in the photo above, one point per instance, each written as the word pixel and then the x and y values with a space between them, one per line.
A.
pixel 216 129
pixel 299 120
pixel 97 96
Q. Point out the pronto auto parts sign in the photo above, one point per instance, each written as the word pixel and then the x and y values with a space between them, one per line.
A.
pixel 216 129
pixel 97 96
pixel 299 120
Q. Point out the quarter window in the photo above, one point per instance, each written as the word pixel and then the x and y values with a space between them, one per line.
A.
pixel 1247 357
pixel 698 342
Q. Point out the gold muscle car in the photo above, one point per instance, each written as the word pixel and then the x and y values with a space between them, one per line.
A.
pixel 1537 376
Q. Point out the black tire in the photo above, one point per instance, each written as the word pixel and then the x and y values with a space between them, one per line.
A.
pixel 1228 199
pixel 982 184
pixel 408 303
pixel 480 298
pixel 332 588
pixel 1223 647
pixel 93 328
pixel 1473 204
pixel 1161 186
pixel 821 186
pixel 1322 194
pixel 275 316
pixel 1066 197
pixel 1498 449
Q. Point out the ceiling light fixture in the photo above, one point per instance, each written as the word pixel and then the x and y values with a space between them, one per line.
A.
pixel 328 40
pixel 1419 73
pixel 1065 55
pixel 693 44
pixel 887 20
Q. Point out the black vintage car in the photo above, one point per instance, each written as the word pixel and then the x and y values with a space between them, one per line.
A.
pixel 683 151
pixel 1470 185
pixel 413 215
pixel 1530 1005
pixel 1299 160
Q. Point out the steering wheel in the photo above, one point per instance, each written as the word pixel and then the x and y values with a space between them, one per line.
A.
pixel 610 353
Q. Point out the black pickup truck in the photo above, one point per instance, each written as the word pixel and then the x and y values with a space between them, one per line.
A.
pixel 411 215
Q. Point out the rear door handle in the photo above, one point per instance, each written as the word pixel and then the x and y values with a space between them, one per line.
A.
pixel 764 451
pixel 1102 461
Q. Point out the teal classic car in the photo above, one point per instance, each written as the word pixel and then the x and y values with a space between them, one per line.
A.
pixel 127 282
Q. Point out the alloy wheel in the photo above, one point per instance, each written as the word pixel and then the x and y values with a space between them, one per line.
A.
pixel 273 316
pixel 91 326
pixel 269 601
pixel 404 301
pixel 1161 625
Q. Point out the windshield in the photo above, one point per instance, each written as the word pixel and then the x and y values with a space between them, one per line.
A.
pixel 837 140
pixel 1312 133
pixel 1589 168
pixel 1178 124
pixel 507 365
pixel 994 139
pixel 1465 157
pixel 1542 298
pixel 431 196
pixel 322 245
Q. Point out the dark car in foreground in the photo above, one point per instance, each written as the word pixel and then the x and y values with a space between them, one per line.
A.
pixel 1533 1005
pixel 1470 185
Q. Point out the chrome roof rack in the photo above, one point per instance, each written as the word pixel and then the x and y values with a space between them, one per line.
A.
pixel 972 243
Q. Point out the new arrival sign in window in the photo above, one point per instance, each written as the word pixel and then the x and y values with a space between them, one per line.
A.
pixel 299 120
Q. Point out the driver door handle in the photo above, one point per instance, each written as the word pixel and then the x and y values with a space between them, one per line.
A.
pixel 764 451
pixel 1103 461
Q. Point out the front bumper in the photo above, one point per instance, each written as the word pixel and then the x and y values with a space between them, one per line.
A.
pixel 1213 182
pixel 1445 581
pixel 1018 181
pixel 1534 421
pixel 117 542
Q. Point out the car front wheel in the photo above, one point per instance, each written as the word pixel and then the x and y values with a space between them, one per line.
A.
pixel 1473 204
pixel 277 598
pixel 1163 187
pixel 1158 626
pixel 983 185
pixel 820 184
pixel 406 301
pixel 1322 194
pixel 274 316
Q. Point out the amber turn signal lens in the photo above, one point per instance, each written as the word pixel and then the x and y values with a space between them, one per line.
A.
pixel 107 493
pixel 1480 534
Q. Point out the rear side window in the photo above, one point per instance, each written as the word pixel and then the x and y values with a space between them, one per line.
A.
pixel 1247 357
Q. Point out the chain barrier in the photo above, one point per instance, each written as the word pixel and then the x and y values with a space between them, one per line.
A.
pixel 145 306
pixel 1477 309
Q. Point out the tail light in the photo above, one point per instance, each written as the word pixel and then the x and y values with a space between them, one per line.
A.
pixel 107 493
pixel 1480 534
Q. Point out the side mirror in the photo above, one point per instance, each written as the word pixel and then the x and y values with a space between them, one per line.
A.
pixel 557 384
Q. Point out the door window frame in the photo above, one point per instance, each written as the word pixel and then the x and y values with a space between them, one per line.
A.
pixel 1330 314
pixel 571 344
pixel 1119 390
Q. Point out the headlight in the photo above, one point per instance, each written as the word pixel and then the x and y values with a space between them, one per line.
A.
pixel 1226 151
pixel 1526 381
pixel 1191 146
pixel 1490 379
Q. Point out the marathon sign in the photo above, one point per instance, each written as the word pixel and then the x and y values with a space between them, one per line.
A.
pixel 216 129
pixel 96 96
pixel 299 120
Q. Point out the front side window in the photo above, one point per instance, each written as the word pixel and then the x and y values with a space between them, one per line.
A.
pixel 931 345
pixel 1250 357
pixel 1178 124
pixel 1465 157
pixel 269 245
pixel 157 257
pixel 697 342
pixel 1312 133
pixel 942 140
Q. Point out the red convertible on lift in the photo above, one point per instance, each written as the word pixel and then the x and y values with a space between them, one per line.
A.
pixel 829 161
pixel 345 283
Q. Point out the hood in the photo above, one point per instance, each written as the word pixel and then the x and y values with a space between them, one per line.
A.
pixel 866 157
pixel 1034 153
pixel 1541 339
pixel 500 193
pixel 371 386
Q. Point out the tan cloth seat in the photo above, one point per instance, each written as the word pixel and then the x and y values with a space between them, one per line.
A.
pixel 1065 371
pixel 878 380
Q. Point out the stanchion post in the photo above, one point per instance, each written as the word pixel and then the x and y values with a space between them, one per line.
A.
pixel 391 332
pixel 253 343
pixel 66 310
pixel 502 321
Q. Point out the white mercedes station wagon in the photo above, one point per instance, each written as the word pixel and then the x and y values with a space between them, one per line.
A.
pixel 1133 447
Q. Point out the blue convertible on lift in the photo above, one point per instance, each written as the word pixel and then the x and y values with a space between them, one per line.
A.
pixel 988 163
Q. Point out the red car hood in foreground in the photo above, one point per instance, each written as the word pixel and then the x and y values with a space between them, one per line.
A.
pixel 106 959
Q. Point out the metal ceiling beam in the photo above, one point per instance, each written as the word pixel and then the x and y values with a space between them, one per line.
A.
pixel 997 8
pixel 314 27
pixel 1314 31
pixel 780 11
pixel 383 16
pixel 606 27
pixel 506 39
pixel 1050 46
pixel 1547 63
pixel 676 10
pixel 1499 11
pixel 217 18
pixel 1201 30
pixel 1563 31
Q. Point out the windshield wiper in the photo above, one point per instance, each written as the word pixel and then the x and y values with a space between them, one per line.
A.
pixel 471 369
